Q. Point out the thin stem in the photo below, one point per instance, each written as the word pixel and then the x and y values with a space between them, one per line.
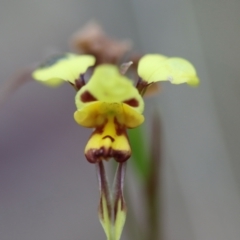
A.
pixel 102 179
pixel 105 206
pixel 119 181
pixel 119 205
pixel 132 226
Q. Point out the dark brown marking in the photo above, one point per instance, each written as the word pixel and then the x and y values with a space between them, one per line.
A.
pixel 100 128
pixel 120 128
pixel 108 136
pixel 87 97
pixel 80 82
pixel 97 154
pixel 133 102
pixel 101 208
pixel 121 156
pixel 120 198
pixel 142 86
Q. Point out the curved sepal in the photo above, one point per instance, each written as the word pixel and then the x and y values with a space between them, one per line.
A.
pixel 154 67
pixel 63 67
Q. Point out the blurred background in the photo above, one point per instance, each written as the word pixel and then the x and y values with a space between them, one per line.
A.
pixel 47 188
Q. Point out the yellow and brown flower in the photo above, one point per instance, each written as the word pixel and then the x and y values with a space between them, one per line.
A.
pixel 109 102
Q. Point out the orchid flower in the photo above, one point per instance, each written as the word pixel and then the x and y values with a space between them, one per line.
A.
pixel 110 103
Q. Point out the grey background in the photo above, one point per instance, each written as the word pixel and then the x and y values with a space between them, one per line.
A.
pixel 47 188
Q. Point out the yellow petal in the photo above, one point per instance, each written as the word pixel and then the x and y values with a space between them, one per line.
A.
pixel 109 86
pixel 154 68
pixel 90 116
pixel 180 71
pixel 132 118
pixel 148 65
pixel 64 67
pixel 95 114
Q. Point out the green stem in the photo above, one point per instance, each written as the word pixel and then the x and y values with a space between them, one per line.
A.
pixel 132 226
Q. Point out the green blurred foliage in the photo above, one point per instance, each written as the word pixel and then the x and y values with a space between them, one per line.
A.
pixel 140 156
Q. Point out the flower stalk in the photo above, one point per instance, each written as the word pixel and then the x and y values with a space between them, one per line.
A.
pixel 104 209
pixel 112 207
pixel 119 205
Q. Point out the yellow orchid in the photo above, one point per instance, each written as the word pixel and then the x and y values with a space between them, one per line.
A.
pixel 109 102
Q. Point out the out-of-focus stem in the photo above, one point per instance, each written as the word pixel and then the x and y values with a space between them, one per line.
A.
pixel 133 227
pixel 153 189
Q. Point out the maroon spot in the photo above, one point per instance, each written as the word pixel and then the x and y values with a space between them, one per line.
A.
pixel 120 129
pixel 120 156
pixel 132 102
pixel 87 97
pixel 95 155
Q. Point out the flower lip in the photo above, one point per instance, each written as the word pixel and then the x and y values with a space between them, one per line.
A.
pixel 108 141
